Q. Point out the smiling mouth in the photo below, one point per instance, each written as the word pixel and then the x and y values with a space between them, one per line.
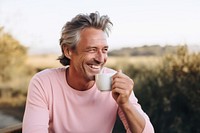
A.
pixel 95 68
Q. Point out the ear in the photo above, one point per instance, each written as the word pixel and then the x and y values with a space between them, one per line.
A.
pixel 67 52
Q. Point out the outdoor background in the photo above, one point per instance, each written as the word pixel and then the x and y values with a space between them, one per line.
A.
pixel 156 43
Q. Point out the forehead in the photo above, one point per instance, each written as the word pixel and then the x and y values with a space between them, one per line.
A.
pixel 92 36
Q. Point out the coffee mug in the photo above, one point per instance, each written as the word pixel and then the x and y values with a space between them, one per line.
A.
pixel 104 81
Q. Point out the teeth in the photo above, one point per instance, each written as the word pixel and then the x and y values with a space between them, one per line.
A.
pixel 95 67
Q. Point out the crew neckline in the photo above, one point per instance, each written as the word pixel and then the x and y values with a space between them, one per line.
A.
pixel 85 92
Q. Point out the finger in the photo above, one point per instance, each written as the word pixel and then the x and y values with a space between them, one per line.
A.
pixel 117 91
pixel 122 86
pixel 121 92
pixel 120 75
pixel 120 70
pixel 119 85
pixel 125 80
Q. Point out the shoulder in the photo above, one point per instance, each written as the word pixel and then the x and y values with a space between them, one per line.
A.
pixel 47 79
pixel 49 74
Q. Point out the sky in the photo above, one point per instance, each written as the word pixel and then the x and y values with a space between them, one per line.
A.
pixel 37 23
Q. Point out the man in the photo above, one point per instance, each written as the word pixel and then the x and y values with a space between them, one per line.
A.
pixel 66 100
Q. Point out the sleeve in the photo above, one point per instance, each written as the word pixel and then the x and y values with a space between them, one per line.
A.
pixel 36 116
pixel 148 126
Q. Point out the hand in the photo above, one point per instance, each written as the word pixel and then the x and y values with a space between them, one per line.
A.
pixel 122 86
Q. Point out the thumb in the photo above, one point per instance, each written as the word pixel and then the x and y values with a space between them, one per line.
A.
pixel 120 70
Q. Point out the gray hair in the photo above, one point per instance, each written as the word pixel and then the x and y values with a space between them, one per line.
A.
pixel 70 35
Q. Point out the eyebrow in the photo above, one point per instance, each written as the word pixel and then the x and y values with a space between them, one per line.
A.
pixel 96 47
pixel 89 47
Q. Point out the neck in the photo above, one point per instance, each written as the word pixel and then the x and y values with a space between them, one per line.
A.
pixel 79 84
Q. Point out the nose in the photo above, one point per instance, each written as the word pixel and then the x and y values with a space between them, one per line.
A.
pixel 100 57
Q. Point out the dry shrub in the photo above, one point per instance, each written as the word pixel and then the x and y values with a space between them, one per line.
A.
pixel 169 93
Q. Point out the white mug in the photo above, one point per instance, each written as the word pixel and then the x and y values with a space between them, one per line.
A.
pixel 104 81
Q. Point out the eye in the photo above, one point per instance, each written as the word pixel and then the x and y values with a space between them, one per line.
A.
pixel 92 50
pixel 105 50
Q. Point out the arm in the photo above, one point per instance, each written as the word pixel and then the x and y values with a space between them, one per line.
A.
pixel 36 116
pixel 130 112
pixel 126 117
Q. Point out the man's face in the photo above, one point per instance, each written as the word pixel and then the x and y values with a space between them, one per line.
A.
pixel 90 55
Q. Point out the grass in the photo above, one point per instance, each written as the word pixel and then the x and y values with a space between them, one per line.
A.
pixel 136 61
pixel 43 61
pixel 50 60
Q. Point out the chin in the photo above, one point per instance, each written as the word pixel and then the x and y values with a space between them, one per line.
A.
pixel 91 78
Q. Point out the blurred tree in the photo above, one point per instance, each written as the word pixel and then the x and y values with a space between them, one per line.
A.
pixel 12 57
pixel 153 50
pixel 170 93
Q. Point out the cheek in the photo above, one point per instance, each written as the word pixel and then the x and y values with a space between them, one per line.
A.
pixel 82 60
pixel 78 58
pixel 88 57
pixel 105 57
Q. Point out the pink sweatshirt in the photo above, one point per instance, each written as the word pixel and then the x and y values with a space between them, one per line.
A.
pixel 54 107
